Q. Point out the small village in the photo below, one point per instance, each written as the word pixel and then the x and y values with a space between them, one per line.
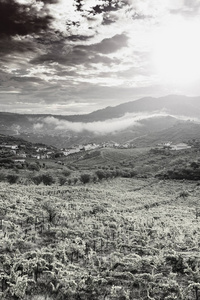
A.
pixel 20 152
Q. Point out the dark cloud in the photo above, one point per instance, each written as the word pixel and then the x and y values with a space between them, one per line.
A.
pixel 76 57
pixel 79 5
pixel 26 79
pixel 83 54
pixel 18 19
pixel 49 1
pixel 107 46
pixel 8 45
pixel 107 21
pixel 105 6
pixel 108 6
pixel 79 51
pixel 75 38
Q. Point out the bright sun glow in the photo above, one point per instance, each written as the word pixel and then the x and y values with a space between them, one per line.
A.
pixel 176 53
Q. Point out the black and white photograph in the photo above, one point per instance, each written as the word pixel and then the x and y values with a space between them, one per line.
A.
pixel 100 149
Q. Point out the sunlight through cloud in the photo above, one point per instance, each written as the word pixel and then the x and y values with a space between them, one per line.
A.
pixel 176 52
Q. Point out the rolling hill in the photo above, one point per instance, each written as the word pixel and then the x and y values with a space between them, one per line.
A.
pixel 147 120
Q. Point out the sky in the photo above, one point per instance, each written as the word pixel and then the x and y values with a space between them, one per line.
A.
pixel 69 57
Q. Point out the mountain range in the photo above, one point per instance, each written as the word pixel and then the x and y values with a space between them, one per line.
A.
pixel 145 121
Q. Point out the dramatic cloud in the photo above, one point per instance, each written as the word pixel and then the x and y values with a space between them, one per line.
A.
pixel 107 46
pixel 21 19
pixel 75 56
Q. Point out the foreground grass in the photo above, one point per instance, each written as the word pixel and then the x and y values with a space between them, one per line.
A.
pixel 118 239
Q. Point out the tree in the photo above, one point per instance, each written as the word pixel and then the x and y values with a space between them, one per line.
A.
pixel 37 179
pixel 33 167
pixel 62 180
pixel 85 178
pixel 194 165
pixel 12 178
pixel 100 174
pixel 66 172
pixel 47 179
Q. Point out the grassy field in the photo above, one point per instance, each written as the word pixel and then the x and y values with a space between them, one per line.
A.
pixel 122 238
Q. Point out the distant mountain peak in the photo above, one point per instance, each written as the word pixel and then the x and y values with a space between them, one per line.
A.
pixel 132 119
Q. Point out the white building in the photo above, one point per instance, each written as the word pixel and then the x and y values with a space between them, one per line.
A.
pixel 180 146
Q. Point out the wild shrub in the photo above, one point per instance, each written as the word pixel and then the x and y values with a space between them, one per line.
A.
pixel 48 179
pixel 118 172
pixel 2 177
pixel 19 166
pixel 66 172
pixel 62 180
pixel 33 167
pixel 176 262
pixel 6 163
pixel 75 180
pixel 11 178
pixel 125 173
pixel 194 165
pixel 100 174
pixel 183 173
pixel 133 173
pixel 37 179
pixel 94 179
pixel 85 178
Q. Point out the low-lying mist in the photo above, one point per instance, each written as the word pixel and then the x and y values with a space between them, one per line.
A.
pixel 99 127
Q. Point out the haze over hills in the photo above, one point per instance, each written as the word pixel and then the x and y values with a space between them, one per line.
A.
pixel 152 119
pixel 172 104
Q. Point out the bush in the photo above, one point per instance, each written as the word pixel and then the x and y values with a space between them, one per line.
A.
pixel 100 174
pixel 37 179
pixel 75 180
pixel 47 179
pixel 12 178
pixel 2 177
pixel 133 173
pixel 85 178
pixel 19 166
pixel 6 163
pixel 66 172
pixel 194 165
pixel 95 179
pixel 33 167
pixel 62 180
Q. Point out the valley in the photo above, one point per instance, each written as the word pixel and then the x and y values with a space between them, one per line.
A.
pixel 107 224
pixel 111 216
pixel 156 119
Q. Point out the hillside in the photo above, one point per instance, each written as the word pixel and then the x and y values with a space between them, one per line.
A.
pixel 124 239
pixel 172 104
pixel 179 132
pixel 127 121
pixel 101 224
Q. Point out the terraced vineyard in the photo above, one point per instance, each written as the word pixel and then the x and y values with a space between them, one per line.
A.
pixel 124 238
